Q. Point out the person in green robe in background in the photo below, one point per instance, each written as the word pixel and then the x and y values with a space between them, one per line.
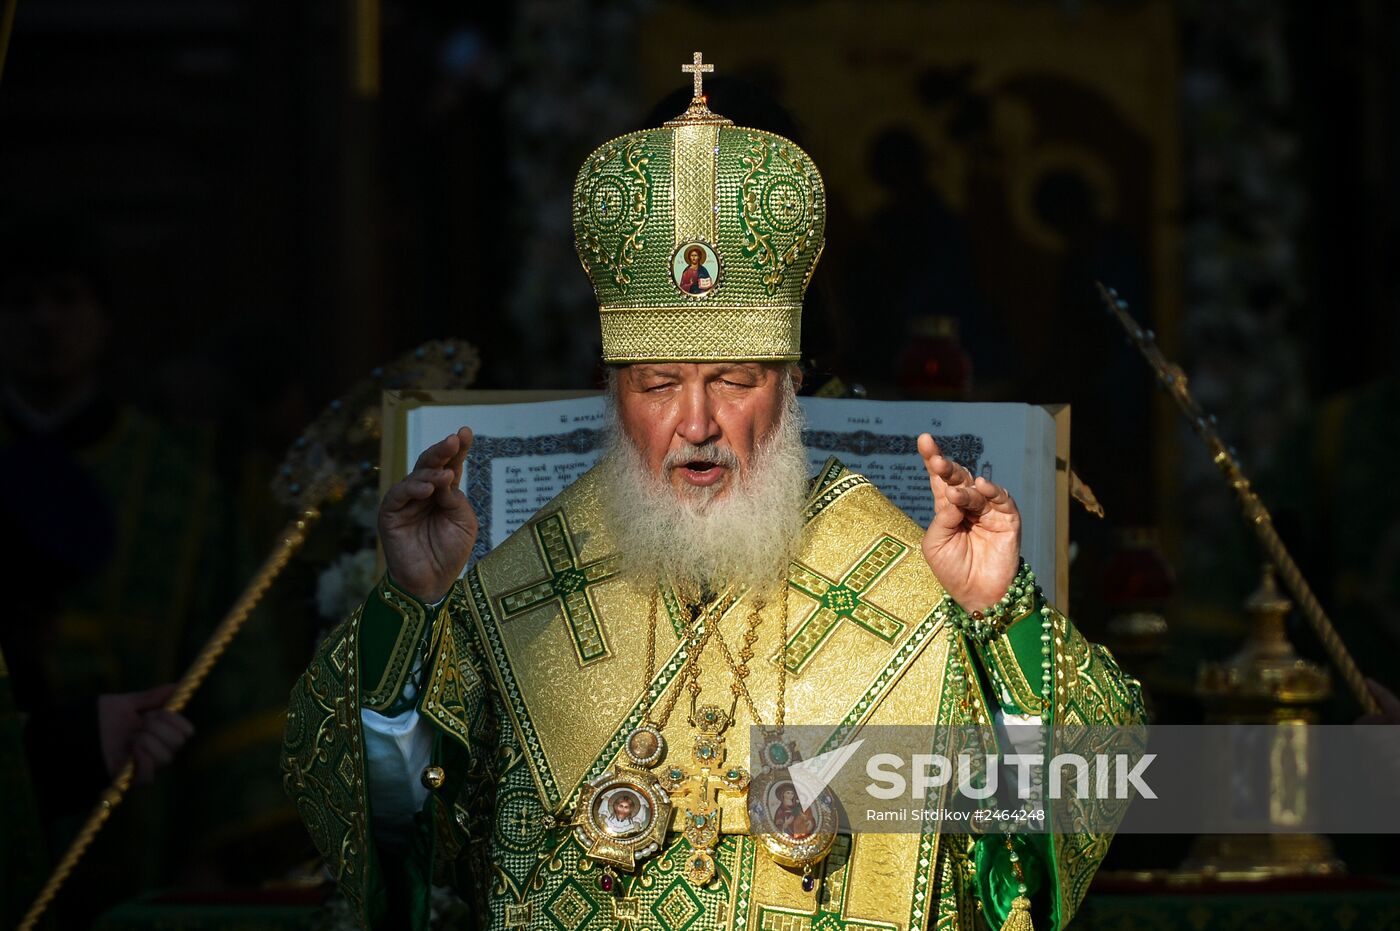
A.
pixel 122 571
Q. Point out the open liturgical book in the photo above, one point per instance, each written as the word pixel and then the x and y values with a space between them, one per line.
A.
pixel 530 445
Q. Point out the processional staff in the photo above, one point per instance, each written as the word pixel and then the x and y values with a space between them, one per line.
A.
pixel 1173 380
pixel 331 458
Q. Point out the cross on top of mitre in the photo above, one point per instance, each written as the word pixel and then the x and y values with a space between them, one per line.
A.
pixel 698 111
pixel 697 69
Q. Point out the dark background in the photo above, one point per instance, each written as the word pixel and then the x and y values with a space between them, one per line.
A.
pixel 268 198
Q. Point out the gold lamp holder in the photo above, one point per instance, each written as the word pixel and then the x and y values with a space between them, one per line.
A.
pixel 1267 682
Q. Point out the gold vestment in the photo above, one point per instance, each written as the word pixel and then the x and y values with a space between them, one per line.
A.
pixel 535 680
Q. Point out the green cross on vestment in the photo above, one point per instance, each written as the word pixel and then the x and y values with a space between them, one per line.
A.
pixel 843 600
pixel 568 584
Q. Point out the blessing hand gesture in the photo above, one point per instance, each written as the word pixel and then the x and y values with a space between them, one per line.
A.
pixel 973 544
pixel 426 524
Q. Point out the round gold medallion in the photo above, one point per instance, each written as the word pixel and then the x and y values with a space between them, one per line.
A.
pixel 645 745
pixel 622 816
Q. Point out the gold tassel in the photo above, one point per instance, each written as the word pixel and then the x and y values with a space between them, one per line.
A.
pixel 1020 917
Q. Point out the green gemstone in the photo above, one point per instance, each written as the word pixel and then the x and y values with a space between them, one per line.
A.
pixel 779 754
pixel 732 774
pixel 676 773
pixel 705 752
pixel 699 863
pixel 699 821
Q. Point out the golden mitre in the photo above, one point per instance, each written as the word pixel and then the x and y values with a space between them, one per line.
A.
pixel 700 238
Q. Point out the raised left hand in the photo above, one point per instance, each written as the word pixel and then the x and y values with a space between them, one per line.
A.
pixel 973 544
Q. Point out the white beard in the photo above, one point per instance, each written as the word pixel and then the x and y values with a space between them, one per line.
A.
pixel 745 533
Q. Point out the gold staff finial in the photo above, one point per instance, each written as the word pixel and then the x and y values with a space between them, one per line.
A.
pixel 697 70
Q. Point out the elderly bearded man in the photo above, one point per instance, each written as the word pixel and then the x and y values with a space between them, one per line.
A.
pixel 696 582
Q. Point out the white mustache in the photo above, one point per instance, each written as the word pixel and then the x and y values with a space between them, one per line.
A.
pixel 714 455
pixel 743 530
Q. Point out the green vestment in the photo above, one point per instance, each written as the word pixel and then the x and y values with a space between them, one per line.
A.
pixel 534 679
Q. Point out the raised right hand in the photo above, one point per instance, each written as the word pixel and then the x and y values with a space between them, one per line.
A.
pixel 136 726
pixel 426 525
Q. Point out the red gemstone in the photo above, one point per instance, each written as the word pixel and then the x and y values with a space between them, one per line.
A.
pixel 605 881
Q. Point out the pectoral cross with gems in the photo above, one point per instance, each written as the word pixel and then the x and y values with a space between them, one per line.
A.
pixel 700 790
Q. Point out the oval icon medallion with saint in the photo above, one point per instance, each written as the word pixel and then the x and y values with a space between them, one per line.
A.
pixel 695 268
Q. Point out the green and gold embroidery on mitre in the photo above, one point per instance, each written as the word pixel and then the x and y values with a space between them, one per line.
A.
pixel 700 238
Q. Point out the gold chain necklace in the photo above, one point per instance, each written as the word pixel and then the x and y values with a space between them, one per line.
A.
pixel 622 816
pixel 794 835
pixel 700 821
